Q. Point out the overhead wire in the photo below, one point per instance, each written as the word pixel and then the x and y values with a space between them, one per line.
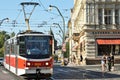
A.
pixel 57 15
pixel 36 25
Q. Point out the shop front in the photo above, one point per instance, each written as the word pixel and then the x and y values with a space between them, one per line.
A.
pixel 107 46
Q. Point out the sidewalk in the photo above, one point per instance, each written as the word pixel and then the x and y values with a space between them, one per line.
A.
pixel 92 67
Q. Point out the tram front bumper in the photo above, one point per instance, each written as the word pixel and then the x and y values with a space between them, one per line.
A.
pixel 40 70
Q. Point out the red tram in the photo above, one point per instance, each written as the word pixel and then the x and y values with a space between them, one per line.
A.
pixel 29 53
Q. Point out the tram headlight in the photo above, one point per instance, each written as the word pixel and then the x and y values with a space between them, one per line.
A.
pixel 28 64
pixel 46 63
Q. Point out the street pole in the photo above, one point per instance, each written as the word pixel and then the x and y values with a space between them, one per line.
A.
pixel 51 6
pixel 3 20
pixel 59 35
pixel 59 41
pixel 60 28
pixel 63 39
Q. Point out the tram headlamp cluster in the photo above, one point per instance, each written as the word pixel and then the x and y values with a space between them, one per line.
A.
pixel 46 63
pixel 37 64
pixel 28 64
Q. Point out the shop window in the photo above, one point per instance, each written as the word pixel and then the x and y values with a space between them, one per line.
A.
pixel 107 49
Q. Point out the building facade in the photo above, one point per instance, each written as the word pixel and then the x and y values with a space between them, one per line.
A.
pixel 94 29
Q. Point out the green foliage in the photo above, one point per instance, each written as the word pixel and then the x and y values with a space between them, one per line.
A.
pixel 1 40
pixel 3 36
pixel 12 34
pixel 66 54
pixel 56 57
pixel 2 52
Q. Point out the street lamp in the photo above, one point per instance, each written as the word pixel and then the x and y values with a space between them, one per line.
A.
pixel 3 20
pixel 59 27
pixel 59 40
pixel 51 6
pixel 63 39
pixel 59 35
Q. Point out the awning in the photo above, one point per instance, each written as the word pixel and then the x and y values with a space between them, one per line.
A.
pixel 108 41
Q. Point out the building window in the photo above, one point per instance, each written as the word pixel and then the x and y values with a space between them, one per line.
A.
pixel 108 16
pixel 100 16
pixel 90 13
pixel 87 13
pixel 116 16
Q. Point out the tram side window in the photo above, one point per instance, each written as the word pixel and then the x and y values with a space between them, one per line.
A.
pixel 7 49
pixel 22 49
pixel 21 38
pixel 12 48
pixel 51 45
pixel 22 45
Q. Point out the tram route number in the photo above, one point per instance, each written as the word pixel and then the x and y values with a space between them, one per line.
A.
pixel 37 64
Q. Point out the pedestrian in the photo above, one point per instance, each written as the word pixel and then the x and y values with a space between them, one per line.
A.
pixel 103 62
pixel 109 62
pixel 112 61
pixel 74 59
pixel 81 58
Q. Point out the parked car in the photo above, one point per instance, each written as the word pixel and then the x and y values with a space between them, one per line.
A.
pixel 1 61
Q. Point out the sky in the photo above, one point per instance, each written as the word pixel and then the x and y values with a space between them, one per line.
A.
pixel 42 18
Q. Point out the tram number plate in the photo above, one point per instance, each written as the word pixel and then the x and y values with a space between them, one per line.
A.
pixel 37 64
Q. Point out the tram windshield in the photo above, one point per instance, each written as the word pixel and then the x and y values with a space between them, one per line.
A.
pixel 38 47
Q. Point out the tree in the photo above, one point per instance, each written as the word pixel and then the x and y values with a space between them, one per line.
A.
pixel 66 54
pixel 12 34
pixel 3 36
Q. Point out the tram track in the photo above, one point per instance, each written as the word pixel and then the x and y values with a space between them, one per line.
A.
pixel 15 77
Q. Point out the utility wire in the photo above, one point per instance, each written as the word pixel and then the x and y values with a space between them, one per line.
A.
pixel 57 15
pixel 18 14
pixel 42 5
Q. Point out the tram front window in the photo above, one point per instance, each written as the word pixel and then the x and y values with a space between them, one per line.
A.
pixel 37 47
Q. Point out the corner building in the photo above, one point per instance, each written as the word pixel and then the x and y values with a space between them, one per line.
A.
pixel 95 29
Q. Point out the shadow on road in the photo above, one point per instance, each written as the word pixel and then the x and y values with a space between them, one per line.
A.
pixel 61 72
pixel 98 75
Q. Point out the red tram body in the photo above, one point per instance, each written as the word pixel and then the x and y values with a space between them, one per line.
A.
pixel 29 53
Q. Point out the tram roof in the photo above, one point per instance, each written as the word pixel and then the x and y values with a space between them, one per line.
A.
pixel 30 32
pixel 27 33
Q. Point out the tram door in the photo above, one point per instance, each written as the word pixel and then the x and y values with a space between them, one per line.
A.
pixel 16 58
